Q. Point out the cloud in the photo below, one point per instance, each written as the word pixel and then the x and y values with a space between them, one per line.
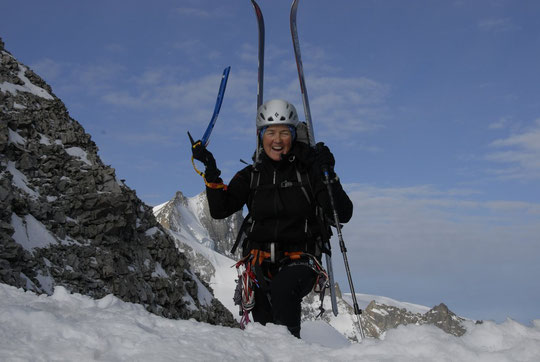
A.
pixel 499 124
pixel 521 152
pixel 315 58
pixel 88 79
pixel 346 106
pixel 116 48
pixel 248 53
pixel 422 220
pixel 161 92
pixel 154 89
pixel 196 12
pixel 342 106
pixel 48 69
pixel 497 25
pixel 144 138
pixel 196 50
pixel 276 58
pixel 420 240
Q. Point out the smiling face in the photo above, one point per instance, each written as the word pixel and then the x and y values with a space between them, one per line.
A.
pixel 277 141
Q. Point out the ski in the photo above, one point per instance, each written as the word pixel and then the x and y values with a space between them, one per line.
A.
pixel 303 89
pixel 307 111
pixel 311 133
pixel 260 79
pixel 260 69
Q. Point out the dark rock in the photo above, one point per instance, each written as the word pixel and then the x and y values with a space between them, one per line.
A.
pixel 93 231
pixel 446 320
pixel 378 318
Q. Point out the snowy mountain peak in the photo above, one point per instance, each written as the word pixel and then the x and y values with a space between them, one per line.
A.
pixel 192 215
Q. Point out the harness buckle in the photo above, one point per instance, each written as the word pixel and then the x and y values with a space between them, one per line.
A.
pixel 286 183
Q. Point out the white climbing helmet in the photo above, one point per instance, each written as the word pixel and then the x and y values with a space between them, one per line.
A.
pixel 276 111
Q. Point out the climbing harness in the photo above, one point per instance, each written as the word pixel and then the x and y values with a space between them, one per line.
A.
pixel 250 276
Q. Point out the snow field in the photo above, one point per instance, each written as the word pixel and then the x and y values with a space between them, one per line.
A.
pixel 72 327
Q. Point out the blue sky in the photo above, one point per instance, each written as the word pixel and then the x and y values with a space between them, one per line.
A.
pixel 432 109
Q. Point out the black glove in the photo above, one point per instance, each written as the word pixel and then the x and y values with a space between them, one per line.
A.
pixel 200 153
pixel 325 158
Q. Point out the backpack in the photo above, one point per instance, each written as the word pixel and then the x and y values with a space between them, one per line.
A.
pixel 322 245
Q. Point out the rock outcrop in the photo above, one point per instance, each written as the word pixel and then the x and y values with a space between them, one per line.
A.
pixel 65 219
pixel 378 318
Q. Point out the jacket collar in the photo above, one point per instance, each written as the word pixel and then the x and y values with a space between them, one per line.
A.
pixel 300 153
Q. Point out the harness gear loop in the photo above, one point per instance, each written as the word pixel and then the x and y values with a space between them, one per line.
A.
pixel 244 294
pixel 250 273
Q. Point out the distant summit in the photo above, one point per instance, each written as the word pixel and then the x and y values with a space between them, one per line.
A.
pixel 218 235
pixel 65 219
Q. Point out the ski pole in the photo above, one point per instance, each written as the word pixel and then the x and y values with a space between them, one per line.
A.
pixel 357 310
pixel 305 100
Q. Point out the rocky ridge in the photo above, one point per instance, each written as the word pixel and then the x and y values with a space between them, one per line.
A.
pixel 377 318
pixel 65 219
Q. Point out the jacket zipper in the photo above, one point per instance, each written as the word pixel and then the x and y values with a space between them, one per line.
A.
pixel 276 227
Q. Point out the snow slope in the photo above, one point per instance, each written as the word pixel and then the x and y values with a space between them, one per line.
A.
pixel 72 327
pixel 222 280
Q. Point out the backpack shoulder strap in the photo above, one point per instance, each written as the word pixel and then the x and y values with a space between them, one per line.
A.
pixel 319 212
pixel 255 178
pixel 241 233
pixel 303 179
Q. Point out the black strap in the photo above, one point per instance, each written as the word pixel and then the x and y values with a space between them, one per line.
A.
pixel 261 279
pixel 241 233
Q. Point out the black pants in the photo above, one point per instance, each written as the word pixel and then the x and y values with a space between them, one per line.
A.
pixel 280 301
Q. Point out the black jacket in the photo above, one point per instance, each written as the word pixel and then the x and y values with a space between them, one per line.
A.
pixel 279 207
